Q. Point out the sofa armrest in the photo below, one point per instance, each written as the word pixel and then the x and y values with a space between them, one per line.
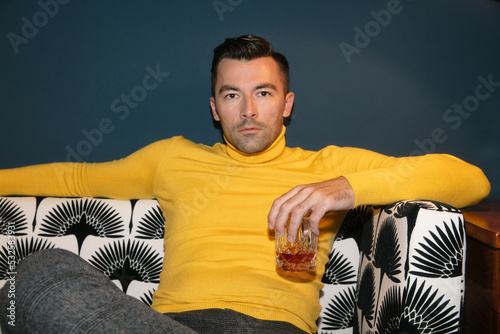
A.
pixel 396 268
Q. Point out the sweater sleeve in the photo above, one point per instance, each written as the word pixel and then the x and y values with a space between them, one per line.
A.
pixel 128 178
pixel 380 179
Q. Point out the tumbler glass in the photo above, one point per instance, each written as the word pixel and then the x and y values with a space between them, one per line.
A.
pixel 299 255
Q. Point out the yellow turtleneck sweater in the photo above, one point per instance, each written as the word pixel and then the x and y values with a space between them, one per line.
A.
pixel 219 252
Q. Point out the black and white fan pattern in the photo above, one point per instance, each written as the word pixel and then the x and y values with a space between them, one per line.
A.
pixel 121 238
pixel 409 263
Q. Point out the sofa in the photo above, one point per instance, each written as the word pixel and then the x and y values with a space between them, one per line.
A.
pixel 398 268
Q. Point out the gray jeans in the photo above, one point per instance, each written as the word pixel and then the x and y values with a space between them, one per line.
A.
pixel 58 292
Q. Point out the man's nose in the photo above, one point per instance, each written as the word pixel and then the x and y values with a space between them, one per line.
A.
pixel 249 109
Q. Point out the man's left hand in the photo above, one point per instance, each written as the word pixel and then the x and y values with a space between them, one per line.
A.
pixel 316 198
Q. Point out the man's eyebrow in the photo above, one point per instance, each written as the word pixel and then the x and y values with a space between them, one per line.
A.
pixel 266 85
pixel 224 88
pixel 236 89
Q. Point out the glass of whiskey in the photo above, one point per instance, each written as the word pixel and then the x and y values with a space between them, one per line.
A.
pixel 299 255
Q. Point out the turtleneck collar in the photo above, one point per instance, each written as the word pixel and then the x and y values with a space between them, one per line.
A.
pixel 272 152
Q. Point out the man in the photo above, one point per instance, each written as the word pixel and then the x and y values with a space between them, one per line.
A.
pixel 219 272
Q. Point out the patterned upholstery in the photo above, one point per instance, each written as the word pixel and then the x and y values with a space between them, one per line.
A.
pixel 397 268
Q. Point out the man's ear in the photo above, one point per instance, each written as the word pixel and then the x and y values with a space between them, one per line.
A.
pixel 215 114
pixel 289 98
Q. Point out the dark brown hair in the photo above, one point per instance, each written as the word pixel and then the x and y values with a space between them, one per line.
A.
pixel 248 47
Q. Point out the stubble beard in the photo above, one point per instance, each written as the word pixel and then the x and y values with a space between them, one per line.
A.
pixel 251 143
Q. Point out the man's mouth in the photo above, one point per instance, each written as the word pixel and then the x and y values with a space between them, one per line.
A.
pixel 249 130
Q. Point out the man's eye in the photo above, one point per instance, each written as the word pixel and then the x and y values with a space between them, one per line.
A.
pixel 230 96
pixel 264 93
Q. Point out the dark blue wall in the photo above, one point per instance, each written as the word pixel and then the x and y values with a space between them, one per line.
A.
pixel 396 77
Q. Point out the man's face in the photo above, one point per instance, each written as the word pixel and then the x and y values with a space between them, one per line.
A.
pixel 250 102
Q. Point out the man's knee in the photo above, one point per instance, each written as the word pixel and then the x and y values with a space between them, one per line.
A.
pixel 40 264
pixel 48 284
pixel 51 254
pixel 49 262
pixel 24 282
